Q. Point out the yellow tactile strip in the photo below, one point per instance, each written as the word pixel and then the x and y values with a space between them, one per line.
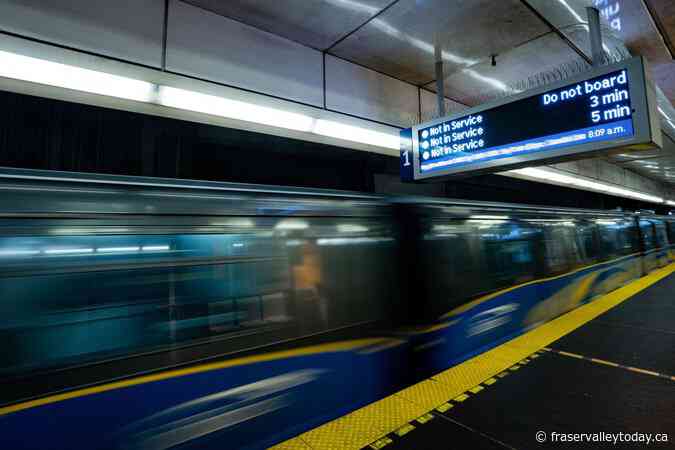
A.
pixel 372 423
pixel 365 425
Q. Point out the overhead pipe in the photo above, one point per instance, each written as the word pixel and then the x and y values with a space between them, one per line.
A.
pixel 440 86
pixel 597 53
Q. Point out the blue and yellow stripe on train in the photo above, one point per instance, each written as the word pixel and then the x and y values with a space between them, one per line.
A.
pixel 492 319
pixel 249 402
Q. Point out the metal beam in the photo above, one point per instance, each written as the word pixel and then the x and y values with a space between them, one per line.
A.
pixel 440 86
pixel 595 36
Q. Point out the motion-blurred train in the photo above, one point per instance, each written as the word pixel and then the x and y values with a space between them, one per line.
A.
pixel 142 313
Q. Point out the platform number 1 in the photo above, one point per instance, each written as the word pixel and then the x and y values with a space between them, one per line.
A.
pixel 407 159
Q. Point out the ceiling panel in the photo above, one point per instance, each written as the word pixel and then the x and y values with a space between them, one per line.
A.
pixel 400 41
pixel 211 47
pixel 654 164
pixel 635 156
pixel 429 106
pixel 664 14
pixel 482 82
pixel 664 75
pixel 98 26
pixel 317 23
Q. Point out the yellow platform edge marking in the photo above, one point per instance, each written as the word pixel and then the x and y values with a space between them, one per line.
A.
pixel 460 398
pixel 613 364
pixel 425 418
pixel 494 362
pixel 380 443
pixel 476 389
pixel 647 372
pixel 573 355
pixel 444 407
pixel 602 361
pixel 405 429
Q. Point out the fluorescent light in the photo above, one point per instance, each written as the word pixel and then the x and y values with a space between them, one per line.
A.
pixel 66 251
pixel 556 177
pixel 70 77
pixel 489 217
pixel 236 222
pixel 249 112
pixel 233 109
pixel 488 223
pixel 85 230
pixel 292 224
pixel 152 248
pixel 670 202
pixel 118 249
pixel 17 252
pixel 356 134
pixel 348 241
pixel 351 228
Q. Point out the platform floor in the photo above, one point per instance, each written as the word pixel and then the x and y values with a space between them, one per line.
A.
pixel 608 366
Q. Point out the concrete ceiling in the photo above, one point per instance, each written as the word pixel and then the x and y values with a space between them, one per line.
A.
pixel 397 37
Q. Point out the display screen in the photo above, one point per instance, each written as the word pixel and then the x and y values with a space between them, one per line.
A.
pixel 596 109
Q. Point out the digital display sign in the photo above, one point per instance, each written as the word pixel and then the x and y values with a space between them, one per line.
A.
pixel 597 112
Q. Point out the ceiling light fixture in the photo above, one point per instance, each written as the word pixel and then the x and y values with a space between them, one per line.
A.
pixel 555 177
pixel 41 71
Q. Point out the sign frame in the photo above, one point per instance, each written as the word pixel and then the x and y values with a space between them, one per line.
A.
pixel 646 126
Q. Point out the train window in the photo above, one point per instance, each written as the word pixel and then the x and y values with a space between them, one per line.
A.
pixel 464 259
pixel 670 228
pixel 342 273
pixel 628 237
pixel 587 242
pixel 660 234
pixel 510 250
pixel 562 252
pixel 617 237
pixel 84 298
pixel 648 234
pixel 454 269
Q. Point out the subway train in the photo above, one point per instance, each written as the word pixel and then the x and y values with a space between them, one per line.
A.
pixel 144 313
